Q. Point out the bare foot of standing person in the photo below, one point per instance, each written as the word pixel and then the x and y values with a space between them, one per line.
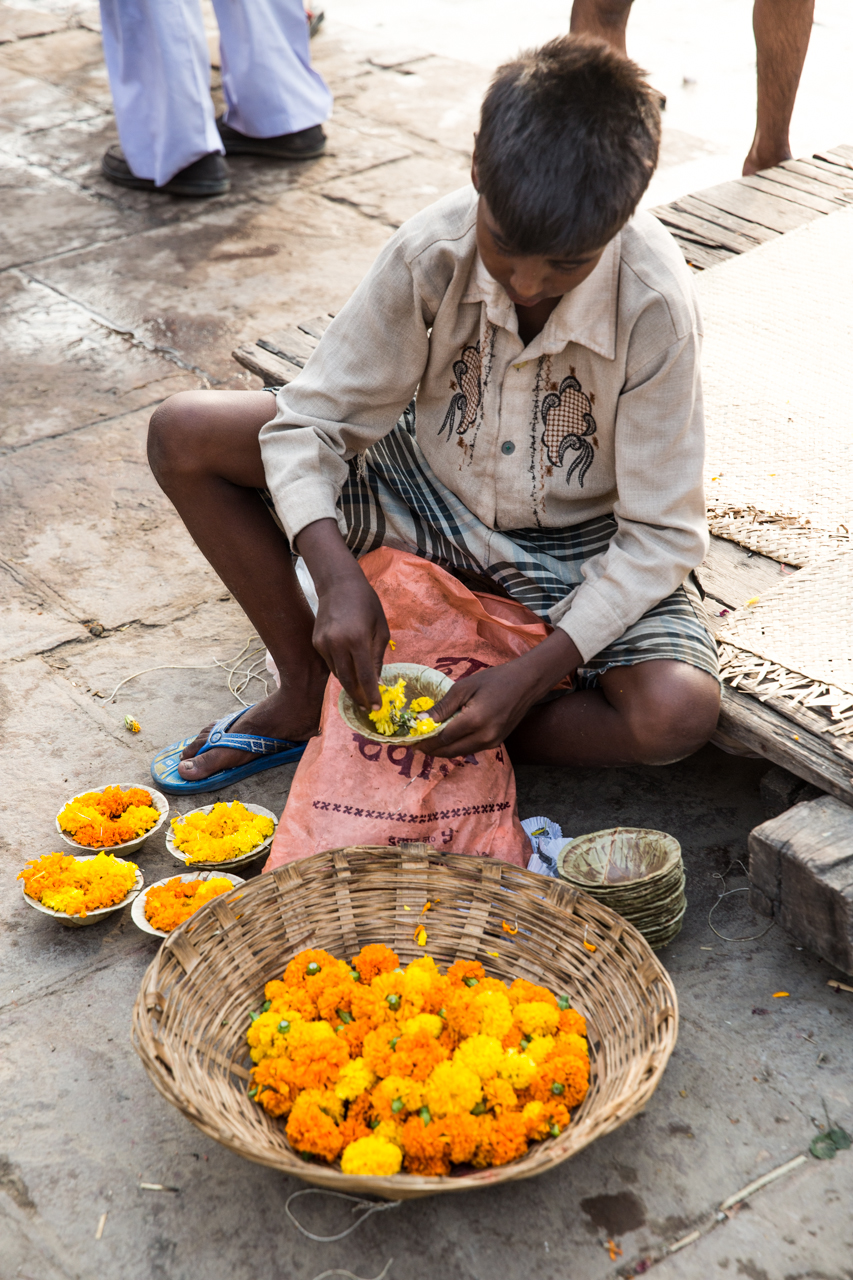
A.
pixel 782 31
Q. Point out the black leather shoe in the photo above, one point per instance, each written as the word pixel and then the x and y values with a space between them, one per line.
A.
pixel 307 144
pixel 205 177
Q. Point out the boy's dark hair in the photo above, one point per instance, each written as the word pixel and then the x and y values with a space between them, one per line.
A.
pixel 568 141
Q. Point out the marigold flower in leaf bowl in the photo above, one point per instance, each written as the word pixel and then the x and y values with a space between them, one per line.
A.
pixel 118 817
pixel 73 885
pixel 139 913
pixel 221 835
pixel 409 691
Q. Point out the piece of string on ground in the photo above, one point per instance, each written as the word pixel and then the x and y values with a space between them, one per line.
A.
pixel 727 893
pixel 242 669
pixel 364 1209
pixel 349 1275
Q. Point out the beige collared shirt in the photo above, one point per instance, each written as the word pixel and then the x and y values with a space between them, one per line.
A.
pixel 601 412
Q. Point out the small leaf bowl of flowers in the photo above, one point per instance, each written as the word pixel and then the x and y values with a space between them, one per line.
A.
pixel 119 817
pixel 409 692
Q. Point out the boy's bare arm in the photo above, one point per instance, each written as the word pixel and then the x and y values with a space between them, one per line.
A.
pixel 491 703
pixel 351 632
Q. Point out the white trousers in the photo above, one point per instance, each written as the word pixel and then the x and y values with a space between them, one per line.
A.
pixel 159 68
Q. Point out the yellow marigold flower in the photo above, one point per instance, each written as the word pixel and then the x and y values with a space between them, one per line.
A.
pixel 355 1078
pixel 395 1095
pixel 425 724
pixel 431 1023
pixel 386 718
pixel 494 1012
pixel 518 1069
pixel 371 1156
pixel 421 704
pixel 540 1047
pixel 537 1018
pixel 228 831
pixel 452 1087
pixel 131 724
pixel 482 1054
pixel 265 1037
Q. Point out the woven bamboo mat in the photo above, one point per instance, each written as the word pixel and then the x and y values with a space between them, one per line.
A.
pixel 778 371
pixel 796 640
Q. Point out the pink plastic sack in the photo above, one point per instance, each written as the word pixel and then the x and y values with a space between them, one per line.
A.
pixel 350 790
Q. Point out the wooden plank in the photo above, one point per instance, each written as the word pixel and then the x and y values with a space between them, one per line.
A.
pixel 808 755
pixel 693 204
pixel 760 207
pixel 700 256
pixel 836 166
pixel 294 343
pixel 705 232
pixel 758 182
pixel 809 184
pixel 317 327
pixel 733 576
pixel 821 172
pixel 274 371
pixel 842 154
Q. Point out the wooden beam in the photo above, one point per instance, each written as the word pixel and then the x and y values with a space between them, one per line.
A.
pixel 808 755
pixel 695 204
pixel 732 575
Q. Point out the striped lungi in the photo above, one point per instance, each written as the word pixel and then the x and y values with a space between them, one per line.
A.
pixel 392 498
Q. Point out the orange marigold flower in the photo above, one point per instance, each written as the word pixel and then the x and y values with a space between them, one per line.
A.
pixel 572 1022
pixel 523 992
pixel 416 1055
pixel 499 1095
pixel 508 1138
pixel 462 969
pixel 462 1133
pixel 374 959
pixel 335 999
pixel 357 1123
pixel 311 1130
pixel 565 1078
pixel 313 969
pixel 377 1051
pixel 425 1149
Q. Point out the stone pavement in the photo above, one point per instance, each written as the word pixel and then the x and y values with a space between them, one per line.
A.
pixel 114 300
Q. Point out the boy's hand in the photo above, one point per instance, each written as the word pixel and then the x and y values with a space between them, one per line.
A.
pixel 491 703
pixel 350 632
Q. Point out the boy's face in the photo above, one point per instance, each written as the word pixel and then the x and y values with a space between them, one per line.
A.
pixel 529 279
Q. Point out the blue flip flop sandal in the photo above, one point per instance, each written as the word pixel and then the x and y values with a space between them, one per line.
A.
pixel 271 753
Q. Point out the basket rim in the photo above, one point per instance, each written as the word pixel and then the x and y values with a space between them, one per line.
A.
pixel 640 1071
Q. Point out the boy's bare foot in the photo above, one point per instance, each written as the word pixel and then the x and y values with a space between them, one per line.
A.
pixel 281 715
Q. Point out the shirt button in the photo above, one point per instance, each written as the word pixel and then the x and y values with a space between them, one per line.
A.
pixel 507 447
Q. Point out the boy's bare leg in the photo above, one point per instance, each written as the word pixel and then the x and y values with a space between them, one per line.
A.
pixel 606 19
pixel 782 31
pixel 650 713
pixel 204 451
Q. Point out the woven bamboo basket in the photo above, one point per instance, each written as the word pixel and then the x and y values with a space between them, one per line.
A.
pixel 192 1011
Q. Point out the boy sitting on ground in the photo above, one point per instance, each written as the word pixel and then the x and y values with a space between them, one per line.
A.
pixel 554 448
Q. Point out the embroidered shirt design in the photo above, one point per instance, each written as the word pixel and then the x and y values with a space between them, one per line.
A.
pixel 567 417
pixel 466 402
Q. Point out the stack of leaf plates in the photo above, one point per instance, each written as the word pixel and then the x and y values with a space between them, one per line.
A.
pixel 636 872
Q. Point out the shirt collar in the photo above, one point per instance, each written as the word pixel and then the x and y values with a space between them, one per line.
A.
pixel 587 315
